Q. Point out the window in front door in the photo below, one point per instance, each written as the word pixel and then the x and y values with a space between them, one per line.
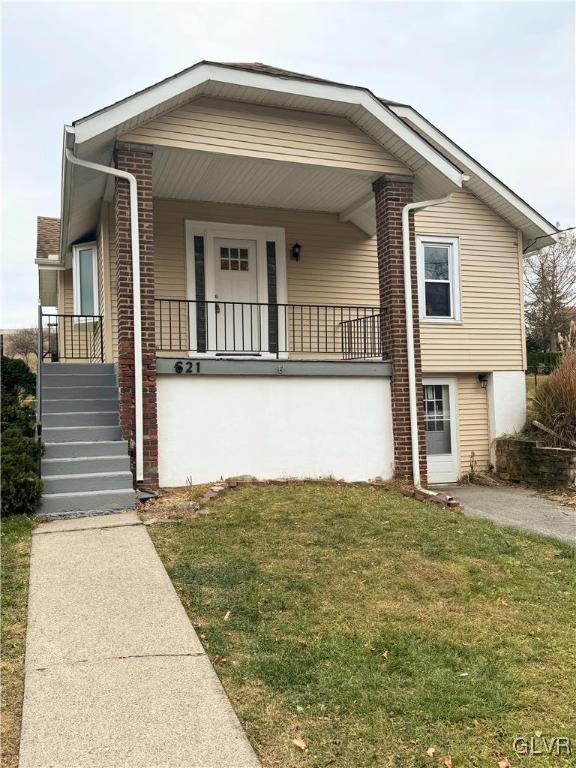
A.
pixel 235 259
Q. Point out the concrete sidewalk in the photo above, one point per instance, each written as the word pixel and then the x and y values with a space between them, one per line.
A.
pixel 115 674
pixel 517 507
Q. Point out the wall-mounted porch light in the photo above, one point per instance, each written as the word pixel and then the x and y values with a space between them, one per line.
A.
pixel 483 379
pixel 295 251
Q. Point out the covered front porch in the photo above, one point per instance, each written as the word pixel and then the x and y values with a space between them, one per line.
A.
pixel 241 281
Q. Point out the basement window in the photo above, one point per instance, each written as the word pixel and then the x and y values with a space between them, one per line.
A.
pixel 85 279
pixel 438 278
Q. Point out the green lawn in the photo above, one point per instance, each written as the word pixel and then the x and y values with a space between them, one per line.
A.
pixel 15 537
pixel 370 627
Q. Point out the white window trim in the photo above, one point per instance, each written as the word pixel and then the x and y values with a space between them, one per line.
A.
pixel 76 277
pixel 454 266
pixel 212 231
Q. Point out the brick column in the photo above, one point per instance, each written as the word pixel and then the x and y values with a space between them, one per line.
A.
pixel 391 194
pixel 136 159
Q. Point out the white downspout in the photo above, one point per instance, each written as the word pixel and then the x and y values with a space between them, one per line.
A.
pixel 135 238
pixel 410 329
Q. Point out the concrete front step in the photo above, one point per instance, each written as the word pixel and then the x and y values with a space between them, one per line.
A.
pixel 85 465
pixel 79 406
pixel 79 380
pixel 94 481
pixel 81 419
pixel 78 393
pixel 57 369
pixel 95 502
pixel 85 450
pixel 80 434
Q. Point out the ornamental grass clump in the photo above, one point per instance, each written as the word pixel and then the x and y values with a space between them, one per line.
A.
pixel 554 402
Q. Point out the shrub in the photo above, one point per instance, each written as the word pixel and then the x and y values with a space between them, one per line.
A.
pixel 554 402
pixel 21 486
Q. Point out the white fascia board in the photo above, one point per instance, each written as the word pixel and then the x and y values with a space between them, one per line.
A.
pixel 473 167
pixel 65 192
pixel 110 118
pixel 52 265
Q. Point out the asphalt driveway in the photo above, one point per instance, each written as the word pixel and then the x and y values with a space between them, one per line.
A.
pixel 518 508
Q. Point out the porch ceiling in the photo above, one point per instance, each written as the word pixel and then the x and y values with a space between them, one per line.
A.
pixel 191 175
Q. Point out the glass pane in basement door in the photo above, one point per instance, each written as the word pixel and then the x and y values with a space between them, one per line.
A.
pixel 437 417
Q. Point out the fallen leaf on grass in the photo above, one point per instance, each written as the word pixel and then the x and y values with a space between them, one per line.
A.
pixel 431 751
pixel 504 764
pixel 227 616
pixel 447 761
pixel 385 655
pixel 299 743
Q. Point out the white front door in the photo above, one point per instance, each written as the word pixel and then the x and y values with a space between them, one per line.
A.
pixel 236 323
pixel 440 421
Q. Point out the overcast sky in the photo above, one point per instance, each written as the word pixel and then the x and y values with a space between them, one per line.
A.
pixel 498 78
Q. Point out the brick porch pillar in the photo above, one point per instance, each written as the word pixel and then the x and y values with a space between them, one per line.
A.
pixel 136 159
pixel 391 194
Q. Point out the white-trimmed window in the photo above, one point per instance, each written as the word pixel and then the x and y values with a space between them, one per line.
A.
pixel 85 279
pixel 438 278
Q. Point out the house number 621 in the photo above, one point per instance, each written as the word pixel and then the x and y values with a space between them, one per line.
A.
pixel 186 366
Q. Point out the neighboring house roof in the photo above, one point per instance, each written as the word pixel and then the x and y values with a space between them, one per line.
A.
pixel 438 165
pixel 47 237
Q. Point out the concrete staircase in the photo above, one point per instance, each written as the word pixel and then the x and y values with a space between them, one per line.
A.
pixel 85 467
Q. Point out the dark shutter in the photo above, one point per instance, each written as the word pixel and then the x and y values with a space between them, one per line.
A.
pixel 200 275
pixel 272 297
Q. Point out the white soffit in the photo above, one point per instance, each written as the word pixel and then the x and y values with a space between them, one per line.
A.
pixel 192 175
pixel 482 183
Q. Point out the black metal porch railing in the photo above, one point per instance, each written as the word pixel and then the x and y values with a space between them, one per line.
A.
pixel 248 329
pixel 72 337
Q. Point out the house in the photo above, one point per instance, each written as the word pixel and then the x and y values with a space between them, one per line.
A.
pixel 273 274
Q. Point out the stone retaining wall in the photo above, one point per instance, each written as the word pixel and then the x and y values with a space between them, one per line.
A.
pixel 530 462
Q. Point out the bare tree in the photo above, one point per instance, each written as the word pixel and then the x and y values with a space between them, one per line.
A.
pixel 550 290
pixel 21 343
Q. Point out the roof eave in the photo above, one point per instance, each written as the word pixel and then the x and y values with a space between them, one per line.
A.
pixel 546 228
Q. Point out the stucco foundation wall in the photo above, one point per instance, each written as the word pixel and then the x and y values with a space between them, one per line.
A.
pixel 219 426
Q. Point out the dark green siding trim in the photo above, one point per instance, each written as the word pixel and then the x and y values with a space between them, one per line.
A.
pixel 272 296
pixel 200 275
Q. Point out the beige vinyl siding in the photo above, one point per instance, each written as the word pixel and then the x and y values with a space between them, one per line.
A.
pixel 106 266
pixel 100 245
pixel 490 336
pixel 66 304
pixel 473 429
pixel 337 266
pixel 234 128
